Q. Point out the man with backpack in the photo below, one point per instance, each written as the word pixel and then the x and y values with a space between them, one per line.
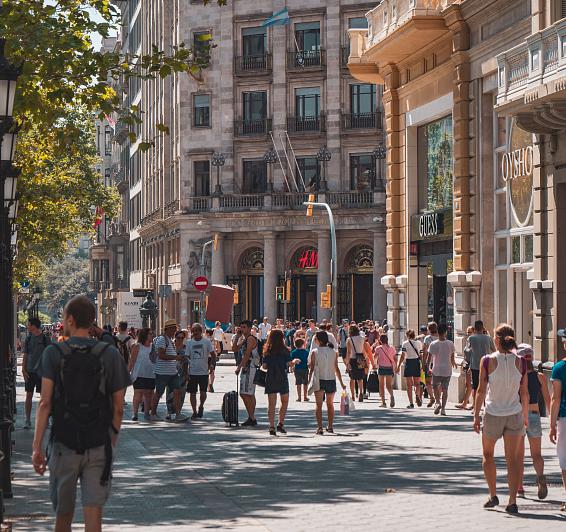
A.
pixel 35 342
pixel 83 386
pixel 124 341
pixel 247 362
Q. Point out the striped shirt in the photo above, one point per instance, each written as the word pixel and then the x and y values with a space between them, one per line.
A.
pixel 165 367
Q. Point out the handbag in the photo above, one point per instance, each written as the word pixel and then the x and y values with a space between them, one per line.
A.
pixel 260 377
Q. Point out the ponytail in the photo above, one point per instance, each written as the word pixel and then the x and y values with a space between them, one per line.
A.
pixel 506 337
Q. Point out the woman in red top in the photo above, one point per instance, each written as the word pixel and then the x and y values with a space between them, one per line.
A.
pixel 386 361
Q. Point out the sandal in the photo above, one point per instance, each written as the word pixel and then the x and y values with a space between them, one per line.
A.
pixel 563 507
pixel 319 431
pixel 281 429
pixel 330 429
pixel 272 431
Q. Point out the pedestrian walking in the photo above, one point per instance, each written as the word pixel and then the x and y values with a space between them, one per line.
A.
pixel 442 352
pixel 167 371
pixel 386 362
pixel 411 352
pixel 558 411
pixel 276 361
pixel 467 373
pixel 83 386
pixel 124 342
pixel 537 385
pixel 263 332
pixel 199 350
pixel 35 343
pixel 247 363
pixel 301 368
pixel 432 335
pixel 142 372
pixel 356 360
pixel 323 372
pixel 342 337
pixel 506 396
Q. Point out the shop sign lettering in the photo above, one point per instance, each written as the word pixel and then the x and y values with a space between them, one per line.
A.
pixel 435 225
pixel 428 225
pixel 308 259
pixel 517 163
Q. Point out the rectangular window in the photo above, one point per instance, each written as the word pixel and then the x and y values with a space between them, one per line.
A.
pixel 201 45
pixel 202 178
pixel 309 168
pixel 107 140
pixel 254 106
pixel 362 99
pixel 307 102
pixel 307 35
pixel 362 172
pixel 357 23
pixel 201 110
pixel 255 177
pixel 502 296
pixel 435 153
pixel 254 42
pixel 120 265
pixel 95 274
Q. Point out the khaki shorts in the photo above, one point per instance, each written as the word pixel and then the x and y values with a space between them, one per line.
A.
pixel 494 427
pixel 66 467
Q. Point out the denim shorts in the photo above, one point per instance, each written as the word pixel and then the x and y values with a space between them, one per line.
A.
pixel 164 381
pixel 534 430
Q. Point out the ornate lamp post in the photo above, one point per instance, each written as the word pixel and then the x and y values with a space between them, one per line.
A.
pixel 379 154
pixel 323 156
pixel 148 312
pixel 218 160
pixel 8 211
pixel 270 157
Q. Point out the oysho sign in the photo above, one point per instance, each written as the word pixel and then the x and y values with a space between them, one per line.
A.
pixel 517 163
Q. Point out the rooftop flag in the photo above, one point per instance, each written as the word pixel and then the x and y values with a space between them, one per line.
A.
pixel 281 18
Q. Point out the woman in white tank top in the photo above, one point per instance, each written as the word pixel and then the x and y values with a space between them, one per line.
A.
pixel 142 372
pixel 506 397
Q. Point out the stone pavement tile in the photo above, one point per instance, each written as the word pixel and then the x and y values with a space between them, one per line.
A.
pixel 384 469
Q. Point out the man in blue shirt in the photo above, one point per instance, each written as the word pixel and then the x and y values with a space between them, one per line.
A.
pixel 558 411
pixel 301 356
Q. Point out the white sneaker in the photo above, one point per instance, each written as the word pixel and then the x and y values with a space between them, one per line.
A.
pixel 154 417
pixel 179 418
pixel 27 424
pixel 437 409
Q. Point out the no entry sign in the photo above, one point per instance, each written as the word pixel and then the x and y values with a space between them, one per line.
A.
pixel 201 283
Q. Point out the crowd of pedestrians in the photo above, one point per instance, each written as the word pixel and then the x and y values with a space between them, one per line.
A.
pixel 505 391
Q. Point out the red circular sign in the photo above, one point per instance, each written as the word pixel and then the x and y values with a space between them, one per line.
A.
pixel 201 283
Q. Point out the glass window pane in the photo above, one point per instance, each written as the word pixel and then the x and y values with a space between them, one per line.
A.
pixel 528 241
pixel 255 177
pixel 501 251
pixel 501 131
pixel 499 182
pixel 254 42
pixel 502 296
pixel 202 178
pixel 358 23
pixel 310 170
pixel 361 172
pixel 500 211
pixel 515 249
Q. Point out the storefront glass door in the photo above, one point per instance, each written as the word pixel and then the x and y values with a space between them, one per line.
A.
pixel 523 308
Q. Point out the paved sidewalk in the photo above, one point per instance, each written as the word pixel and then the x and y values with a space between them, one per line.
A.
pixel 384 469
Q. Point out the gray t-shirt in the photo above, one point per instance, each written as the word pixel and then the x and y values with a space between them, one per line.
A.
pixel 115 369
pixel 441 351
pixel 34 346
pixel 478 346
pixel 198 352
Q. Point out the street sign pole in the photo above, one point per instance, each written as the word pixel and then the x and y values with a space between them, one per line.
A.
pixel 285 300
pixel 203 273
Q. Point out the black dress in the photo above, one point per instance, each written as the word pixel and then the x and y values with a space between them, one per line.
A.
pixel 276 380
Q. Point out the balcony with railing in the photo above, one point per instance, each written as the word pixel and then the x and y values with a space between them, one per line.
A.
pixel 305 60
pixel 198 204
pixel 121 132
pixel 535 68
pixel 252 64
pixel 306 124
pixel 241 202
pixel 252 128
pixel 397 29
pixel 153 217
pixel 361 121
pixel 171 208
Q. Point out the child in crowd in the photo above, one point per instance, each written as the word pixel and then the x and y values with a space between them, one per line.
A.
pixel 301 368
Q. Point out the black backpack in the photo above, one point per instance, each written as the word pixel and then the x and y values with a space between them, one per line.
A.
pixel 124 348
pixel 82 406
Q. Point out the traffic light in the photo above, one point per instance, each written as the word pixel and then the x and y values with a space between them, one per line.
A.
pixel 236 294
pixel 196 306
pixel 215 244
pixel 326 297
pixel 279 294
pixel 288 290
pixel 310 207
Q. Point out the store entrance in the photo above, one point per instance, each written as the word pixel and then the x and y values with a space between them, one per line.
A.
pixel 254 300
pixel 307 297
pixel 523 308
pixel 363 296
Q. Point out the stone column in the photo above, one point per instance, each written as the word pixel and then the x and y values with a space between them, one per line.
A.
pixel 269 275
pixel 465 287
pixel 323 274
pixel 379 265
pixel 217 275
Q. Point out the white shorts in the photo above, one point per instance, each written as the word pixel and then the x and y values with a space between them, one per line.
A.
pixel 247 386
pixel 561 443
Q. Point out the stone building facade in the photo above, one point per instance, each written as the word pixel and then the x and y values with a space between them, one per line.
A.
pixel 471 96
pixel 269 100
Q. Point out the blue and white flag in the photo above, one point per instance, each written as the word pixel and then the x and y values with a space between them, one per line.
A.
pixel 278 19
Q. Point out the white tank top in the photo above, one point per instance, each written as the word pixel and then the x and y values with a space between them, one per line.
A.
pixel 325 363
pixel 143 367
pixel 503 386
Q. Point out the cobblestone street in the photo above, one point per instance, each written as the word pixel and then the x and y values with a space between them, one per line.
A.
pixel 383 469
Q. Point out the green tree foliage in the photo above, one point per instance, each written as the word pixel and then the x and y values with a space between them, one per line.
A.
pixel 59 185
pixel 63 280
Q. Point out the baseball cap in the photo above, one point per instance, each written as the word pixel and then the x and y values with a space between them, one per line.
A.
pixel 561 333
pixel 525 351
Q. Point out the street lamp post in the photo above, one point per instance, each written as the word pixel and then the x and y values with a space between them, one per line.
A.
pixel 218 160
pixel 323 156
pixel 148 312
pixel 270 157
pixel 334 255
pixel 203 273
pixel 379 154
pixel 8 211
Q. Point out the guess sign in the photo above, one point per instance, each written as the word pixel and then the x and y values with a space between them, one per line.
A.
pixel 308 259
pixel 436 225
pixel 429 225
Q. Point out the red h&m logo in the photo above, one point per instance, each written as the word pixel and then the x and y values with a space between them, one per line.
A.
pixel 308 260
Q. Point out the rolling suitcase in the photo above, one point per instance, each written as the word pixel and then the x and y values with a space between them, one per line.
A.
pixel 373 383
pixel 230 406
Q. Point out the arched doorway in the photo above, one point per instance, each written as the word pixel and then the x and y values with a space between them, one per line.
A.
pixel 250 285
pixel 304 269
pixel 355 290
